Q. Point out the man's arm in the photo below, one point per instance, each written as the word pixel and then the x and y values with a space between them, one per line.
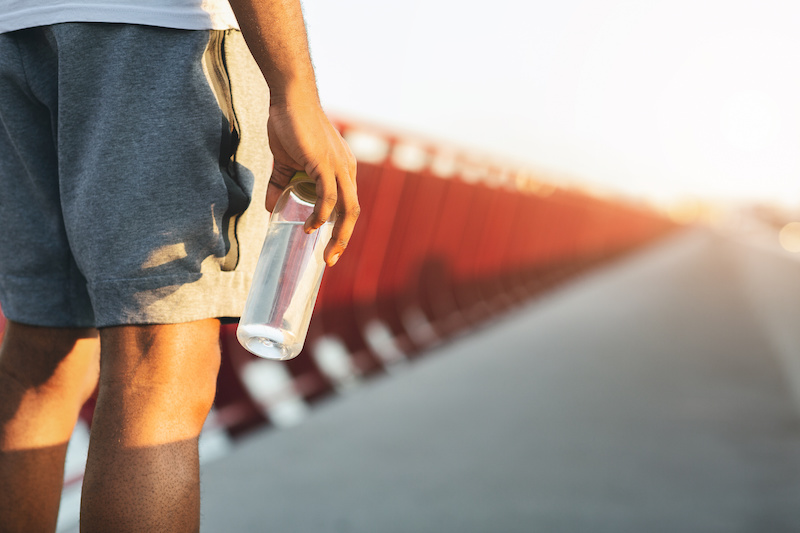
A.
pixel 300 135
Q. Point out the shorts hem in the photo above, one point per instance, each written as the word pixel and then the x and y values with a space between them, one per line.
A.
pixel 164 300
pixel 208 295
pixel 57 303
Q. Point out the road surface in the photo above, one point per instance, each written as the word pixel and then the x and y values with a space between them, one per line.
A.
pixel 656 394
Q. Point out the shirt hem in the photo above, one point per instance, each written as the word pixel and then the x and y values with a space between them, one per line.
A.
pixel 181 19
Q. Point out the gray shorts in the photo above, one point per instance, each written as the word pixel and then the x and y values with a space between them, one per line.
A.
pixel 131 189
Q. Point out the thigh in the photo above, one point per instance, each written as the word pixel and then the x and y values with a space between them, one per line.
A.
pixel 40 283
pixel 149 189
pixel 157 382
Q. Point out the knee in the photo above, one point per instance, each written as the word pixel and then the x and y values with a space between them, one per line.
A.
pixel 46 375
pixel 59 362
pixel 164 372
pixel 191 389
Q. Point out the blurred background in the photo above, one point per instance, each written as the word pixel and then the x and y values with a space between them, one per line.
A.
pixel 665 100
pixel 572 301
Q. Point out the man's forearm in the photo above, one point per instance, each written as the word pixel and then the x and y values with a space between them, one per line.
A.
pixel 275 32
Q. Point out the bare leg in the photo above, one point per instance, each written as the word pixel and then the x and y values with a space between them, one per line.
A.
pixel 46 374
pixel 157 384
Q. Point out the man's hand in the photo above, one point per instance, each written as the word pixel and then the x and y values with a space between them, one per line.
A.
pixel 300 135
pixel 302 138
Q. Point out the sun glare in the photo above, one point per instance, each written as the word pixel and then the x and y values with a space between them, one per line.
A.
pixel 790 237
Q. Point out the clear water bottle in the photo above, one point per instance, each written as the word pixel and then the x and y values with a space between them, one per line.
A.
pixel 278 310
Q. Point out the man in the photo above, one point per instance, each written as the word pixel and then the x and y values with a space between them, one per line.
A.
pixel 130 148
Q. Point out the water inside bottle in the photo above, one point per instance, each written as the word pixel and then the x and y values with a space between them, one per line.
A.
pixel 275 322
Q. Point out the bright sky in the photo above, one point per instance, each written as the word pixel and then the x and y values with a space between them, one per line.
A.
pixel 662 99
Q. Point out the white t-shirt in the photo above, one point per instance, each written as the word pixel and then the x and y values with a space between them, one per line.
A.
pixel 180 14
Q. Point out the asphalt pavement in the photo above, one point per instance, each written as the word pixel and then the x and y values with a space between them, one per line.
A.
pixel 656 394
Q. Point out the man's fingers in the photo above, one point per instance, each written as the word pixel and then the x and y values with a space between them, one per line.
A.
pixel 327 159
pixel 326 202
pixel 352 165
pixel 281 175
pixel 348 209
pixel 347 215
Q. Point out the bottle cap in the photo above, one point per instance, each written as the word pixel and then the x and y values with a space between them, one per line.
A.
pixel 304 187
